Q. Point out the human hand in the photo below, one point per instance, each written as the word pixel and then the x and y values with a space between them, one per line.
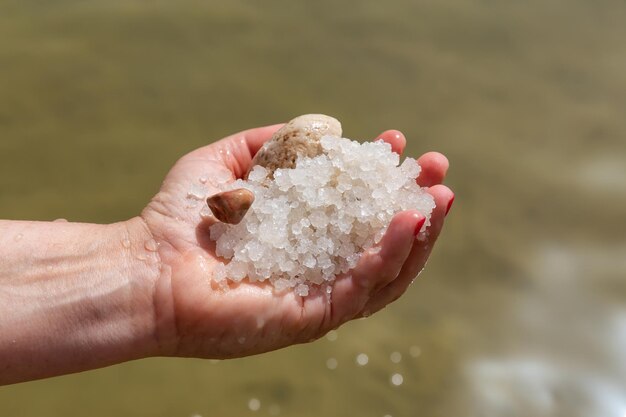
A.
pixel 196 318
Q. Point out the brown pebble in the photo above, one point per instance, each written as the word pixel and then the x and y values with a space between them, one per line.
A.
pixel 231 206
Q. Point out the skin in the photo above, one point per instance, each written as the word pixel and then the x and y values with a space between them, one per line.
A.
pixel 77 296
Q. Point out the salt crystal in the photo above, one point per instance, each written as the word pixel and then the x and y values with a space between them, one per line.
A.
pixel 302 290
pixel 311 223
pixel 257 174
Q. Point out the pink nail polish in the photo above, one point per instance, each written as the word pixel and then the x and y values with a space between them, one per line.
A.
pixel 419 225
pixel 449 204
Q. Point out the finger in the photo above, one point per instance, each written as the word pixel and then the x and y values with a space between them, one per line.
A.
pixel 377 267
pixel 395 138
pixel 418 256
pixel 236 151
pixel 253 139
pixel 434 168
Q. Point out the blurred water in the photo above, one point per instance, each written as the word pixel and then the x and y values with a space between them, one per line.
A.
pixel 522 309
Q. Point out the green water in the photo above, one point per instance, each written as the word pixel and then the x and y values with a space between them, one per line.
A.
pixel 522 309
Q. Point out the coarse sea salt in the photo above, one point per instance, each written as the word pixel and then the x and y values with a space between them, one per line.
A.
pixel 310 223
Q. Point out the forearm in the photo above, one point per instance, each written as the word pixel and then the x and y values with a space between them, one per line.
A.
pixel 74 296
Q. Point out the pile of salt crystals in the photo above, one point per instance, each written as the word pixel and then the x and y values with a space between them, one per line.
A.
pixel 312 222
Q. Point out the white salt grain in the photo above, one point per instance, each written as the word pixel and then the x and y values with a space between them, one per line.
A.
pixel 313 222
pixel 302 290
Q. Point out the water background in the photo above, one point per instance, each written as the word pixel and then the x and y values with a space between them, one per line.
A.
pixel 522 309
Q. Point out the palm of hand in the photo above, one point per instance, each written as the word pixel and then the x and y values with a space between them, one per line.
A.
pixel 197 319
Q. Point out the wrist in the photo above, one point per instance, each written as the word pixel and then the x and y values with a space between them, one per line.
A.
pixel 142 266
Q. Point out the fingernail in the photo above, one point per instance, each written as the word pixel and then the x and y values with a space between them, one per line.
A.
pixel 449 204
pixel 419 225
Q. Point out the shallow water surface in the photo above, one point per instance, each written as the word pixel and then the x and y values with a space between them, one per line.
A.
pixel 522 309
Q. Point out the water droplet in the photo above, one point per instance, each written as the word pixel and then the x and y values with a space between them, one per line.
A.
pixel 397 379
pixel 151 245
pixel 221 176
pixel 191 204
pixel 202 180
pixel 141 257
pixel 332 363
pixel 260 322
pixel 126 242
pixel 254 404
pixel 415 351
pixel 206 213
pixel 362 359
pixel 18 237
pixel 60 220
pixel 366 313
pixel 332 335
pixel 197 192
pixel 395 357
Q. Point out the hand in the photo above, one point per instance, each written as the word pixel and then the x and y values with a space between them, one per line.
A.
pixel 195 318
